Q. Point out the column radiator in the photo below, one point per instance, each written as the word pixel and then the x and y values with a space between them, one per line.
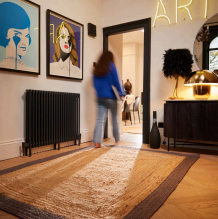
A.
pixel 51 118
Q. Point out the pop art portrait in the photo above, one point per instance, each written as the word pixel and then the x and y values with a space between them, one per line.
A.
pixel 65 46
pixel 19 36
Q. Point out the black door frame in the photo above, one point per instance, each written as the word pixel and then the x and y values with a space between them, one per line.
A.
pixel 123 28
pixel 206 45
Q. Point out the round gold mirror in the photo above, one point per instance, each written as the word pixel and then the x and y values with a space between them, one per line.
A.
pixel 206 45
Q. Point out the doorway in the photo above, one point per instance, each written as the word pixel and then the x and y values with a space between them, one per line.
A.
pixel 145 25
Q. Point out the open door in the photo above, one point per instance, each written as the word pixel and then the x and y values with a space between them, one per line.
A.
pixel 123 28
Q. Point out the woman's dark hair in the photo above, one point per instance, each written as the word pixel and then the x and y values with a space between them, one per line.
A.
pixel 103 65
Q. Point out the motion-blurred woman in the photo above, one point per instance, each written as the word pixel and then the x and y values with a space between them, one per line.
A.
pixel 106 76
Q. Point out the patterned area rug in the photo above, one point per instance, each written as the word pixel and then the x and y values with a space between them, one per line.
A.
pixel 111 182
pixel 133 130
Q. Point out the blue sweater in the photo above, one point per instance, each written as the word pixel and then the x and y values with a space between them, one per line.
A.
pixel 103 84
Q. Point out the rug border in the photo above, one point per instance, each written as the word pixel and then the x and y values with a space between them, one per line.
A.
pixel 23 210
pixel 143 210
pixel 146 208
pixel 42 160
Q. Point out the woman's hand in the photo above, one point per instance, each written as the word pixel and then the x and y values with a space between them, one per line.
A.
pixel 122 98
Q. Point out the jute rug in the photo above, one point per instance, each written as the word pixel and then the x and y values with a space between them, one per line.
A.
pixel 133 130
pixel 111 182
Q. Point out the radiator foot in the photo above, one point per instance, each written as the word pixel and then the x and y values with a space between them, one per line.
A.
pixel 24 148
pixel 79 139
pixel 30 152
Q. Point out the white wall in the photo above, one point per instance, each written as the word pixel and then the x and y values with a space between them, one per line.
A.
pixel 115 45
pixel 133 66
pixel 130 58
pixel 13 85
pixel 163 37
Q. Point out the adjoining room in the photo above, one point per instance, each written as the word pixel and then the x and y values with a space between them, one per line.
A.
pixel 129 53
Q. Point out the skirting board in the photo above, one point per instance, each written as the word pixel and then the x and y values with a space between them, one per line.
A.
pixel 13 148
pixel 10 149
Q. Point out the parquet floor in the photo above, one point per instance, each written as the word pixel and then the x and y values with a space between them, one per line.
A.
pixel 196 197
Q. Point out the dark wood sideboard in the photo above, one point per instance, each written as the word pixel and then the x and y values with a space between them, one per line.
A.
pixel 191 120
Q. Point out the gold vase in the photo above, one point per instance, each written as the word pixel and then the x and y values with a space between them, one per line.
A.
pixel 175 93
pixel 201 91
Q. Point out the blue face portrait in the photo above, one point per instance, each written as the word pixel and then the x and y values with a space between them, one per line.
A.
pixel 15 29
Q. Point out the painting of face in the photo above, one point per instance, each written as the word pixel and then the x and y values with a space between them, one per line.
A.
pixel 19 36
pixel 23 36
pixel 65 43
pixel 65 40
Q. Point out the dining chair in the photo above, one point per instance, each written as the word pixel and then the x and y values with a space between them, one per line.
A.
pixel 127 109
pixel 136 107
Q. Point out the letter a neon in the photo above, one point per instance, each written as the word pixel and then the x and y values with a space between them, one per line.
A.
pixel 205 15
pixel 160 16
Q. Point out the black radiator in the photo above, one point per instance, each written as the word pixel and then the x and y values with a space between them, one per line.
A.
pixel 51 118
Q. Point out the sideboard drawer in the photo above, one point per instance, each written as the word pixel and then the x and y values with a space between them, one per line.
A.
pixel 191 120
pixel 170 120
pixel 211 120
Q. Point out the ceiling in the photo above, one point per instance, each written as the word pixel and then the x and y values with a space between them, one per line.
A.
pixel 135 36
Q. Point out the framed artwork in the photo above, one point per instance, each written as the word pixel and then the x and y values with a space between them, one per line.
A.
pixel 64 47
pixel 20 36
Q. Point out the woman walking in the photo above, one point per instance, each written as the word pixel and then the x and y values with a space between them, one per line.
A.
pixel 106 76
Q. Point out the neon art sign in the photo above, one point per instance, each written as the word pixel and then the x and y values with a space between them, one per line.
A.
pixel 177 8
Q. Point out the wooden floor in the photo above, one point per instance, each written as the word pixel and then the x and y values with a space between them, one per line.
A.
pixel 195 197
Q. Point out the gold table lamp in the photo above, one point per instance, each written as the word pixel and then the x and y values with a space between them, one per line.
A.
pixel 201 82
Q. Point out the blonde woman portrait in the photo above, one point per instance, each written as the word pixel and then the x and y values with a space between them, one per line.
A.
pixel 65 56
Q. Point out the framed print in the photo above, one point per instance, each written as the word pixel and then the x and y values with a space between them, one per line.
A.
pixel 20 36
pixel 64 47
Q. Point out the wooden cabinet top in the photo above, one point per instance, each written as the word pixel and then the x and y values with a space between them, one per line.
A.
pixel 176 101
